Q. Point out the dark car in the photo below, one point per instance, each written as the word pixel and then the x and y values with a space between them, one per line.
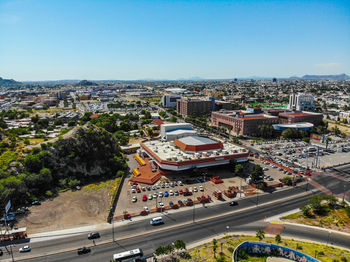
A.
pixel 36 203
pixel 233 203
pixel 1 252
pixel 84 250
pixel 180 203
pixel 94 235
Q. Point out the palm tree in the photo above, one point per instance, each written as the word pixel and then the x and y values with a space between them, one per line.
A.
pixel 278 239
pixel 260 234
pixel 215 246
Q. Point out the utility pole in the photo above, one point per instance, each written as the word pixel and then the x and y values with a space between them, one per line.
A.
pixel 112 229
pixel 193 211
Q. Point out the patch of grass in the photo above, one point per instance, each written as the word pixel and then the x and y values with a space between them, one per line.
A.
pixel 35 141
pixel 96 187
pixel 65 131
pixel 63 190
pixel 293 216
pixel 336 219
pixel 205 252
pixel 6 158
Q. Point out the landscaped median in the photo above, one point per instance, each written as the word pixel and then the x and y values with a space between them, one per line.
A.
pixel 222 249
pixel 323 211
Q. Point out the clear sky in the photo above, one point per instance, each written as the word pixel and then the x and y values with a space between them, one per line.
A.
pixel 100 39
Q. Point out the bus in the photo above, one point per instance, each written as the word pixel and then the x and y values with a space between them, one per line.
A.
pixel 135 253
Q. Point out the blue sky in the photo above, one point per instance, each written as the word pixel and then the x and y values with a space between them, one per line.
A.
pixel 85 39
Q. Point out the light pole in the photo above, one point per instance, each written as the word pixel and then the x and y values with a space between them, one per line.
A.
pixel 193 211
pixel 112 229
pixel 329 236
pixel 227 229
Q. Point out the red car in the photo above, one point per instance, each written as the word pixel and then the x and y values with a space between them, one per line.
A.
pixel 138 190
pixel 181 192
pixel 144 198
pixel 308 173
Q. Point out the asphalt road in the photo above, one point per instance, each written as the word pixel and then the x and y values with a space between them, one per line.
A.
pixel 190 232
pixel 246 221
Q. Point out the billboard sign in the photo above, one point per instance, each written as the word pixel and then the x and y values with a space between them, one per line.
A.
pixel 8 206
pixel 318 140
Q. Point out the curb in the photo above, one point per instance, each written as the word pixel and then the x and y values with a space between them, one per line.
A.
pixel 161 229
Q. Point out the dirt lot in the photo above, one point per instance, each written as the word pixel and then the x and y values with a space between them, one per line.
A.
pixel 70 209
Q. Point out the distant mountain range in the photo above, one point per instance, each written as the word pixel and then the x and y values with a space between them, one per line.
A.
pixel 323 77
pixel 76 82
pixel 9 83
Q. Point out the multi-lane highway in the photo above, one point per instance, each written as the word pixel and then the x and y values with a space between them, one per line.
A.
pixel 208 222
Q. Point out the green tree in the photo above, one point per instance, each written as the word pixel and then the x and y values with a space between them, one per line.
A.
pixel 238 168
pixel 278 239
pixel 215 246
pixel 256 173
pixel 160 251
pixel 306 209
pixel 179 245
pixel 260 234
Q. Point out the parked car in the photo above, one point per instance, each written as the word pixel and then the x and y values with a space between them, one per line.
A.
pixel 155 194
pixel 25 249
pixel 84 250
pixel 134 199
pixel 144 198
pixel 195 189
pixel 181 192
pixel 171 193
pixel 1 252
pixel 36 203
pixel 166 194
pixel 146 209
pixel 160 204
pixel 176 193
pixel 133 191
pixel 93 235
pixel 171 203
pixel 150 197
pixel 180 203
pixel 201 188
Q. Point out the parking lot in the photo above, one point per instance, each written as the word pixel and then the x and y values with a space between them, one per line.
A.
pixel 170 189
pixel 300 155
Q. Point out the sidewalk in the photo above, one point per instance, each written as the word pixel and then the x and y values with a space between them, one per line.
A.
pixel 46 236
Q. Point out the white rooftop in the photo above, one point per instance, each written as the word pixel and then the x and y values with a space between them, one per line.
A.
pixel 166 150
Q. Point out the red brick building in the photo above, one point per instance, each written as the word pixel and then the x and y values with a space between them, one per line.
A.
pixel 194 106
pixel 243 124
pixel 296 117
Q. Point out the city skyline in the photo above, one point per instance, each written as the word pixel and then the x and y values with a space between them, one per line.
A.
pixel 137 40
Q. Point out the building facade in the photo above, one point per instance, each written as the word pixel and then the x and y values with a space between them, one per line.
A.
pixel 170 100
pixel 296 117
pixel 242 124
pixel 195 106
pixel 301 102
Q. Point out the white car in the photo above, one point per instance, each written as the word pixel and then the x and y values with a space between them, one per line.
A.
pixel 134 199
pixel 150 197
pixel 195 189
pixel 161 205
pixel 190 189
pixel 146 209
pixel 171 193
pixel 160 194
pixel 201 188
pixel 265 169
pixel 155 194
pixel 25 249
pixel 133 191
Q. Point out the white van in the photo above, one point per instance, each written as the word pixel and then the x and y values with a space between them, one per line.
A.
pixel 156 221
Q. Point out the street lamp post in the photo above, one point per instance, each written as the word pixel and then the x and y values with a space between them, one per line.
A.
pixel 329 236
pixel 227 229
pixel 193 211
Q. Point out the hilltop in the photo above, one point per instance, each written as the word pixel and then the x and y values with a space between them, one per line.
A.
pixel 9 82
